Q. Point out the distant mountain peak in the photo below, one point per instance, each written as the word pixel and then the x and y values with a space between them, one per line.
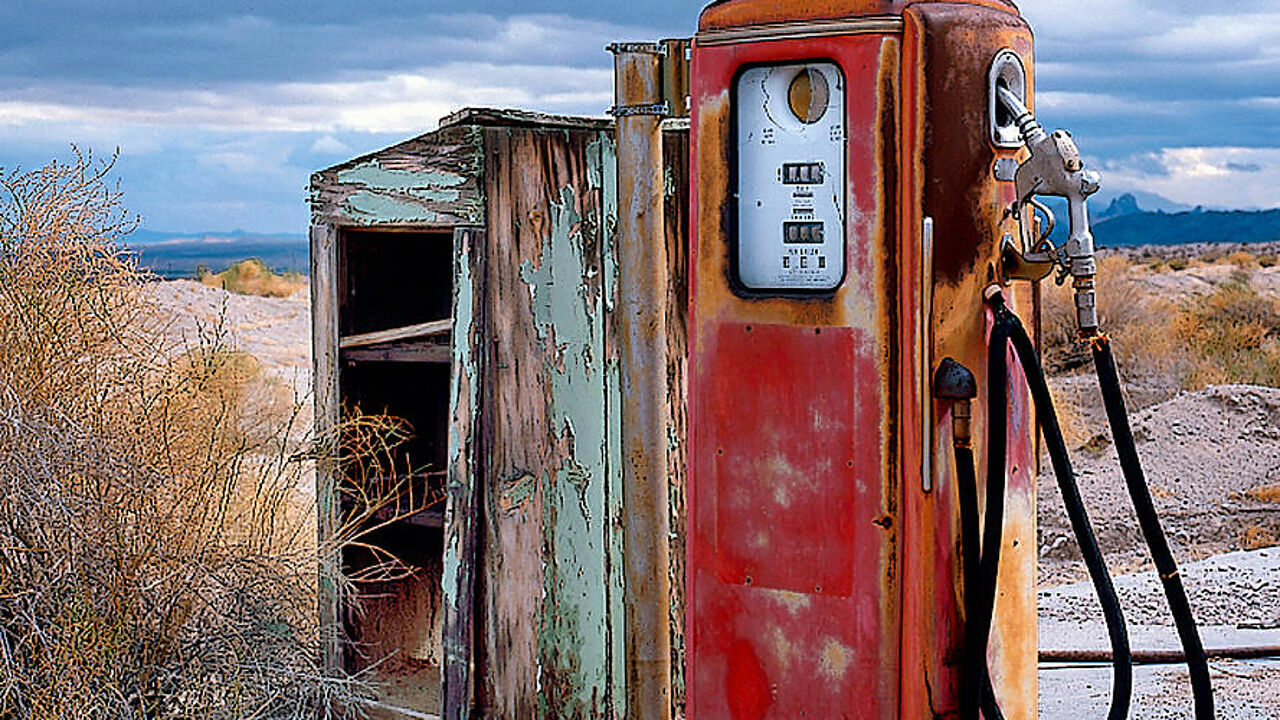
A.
pixel 1120 206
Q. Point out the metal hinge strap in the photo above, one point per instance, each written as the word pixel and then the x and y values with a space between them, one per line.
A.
pixel 661 109
pixel 637 47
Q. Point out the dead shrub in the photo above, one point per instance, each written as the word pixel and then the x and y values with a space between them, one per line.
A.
pixel 1240 259
pixel 1179 263
pixel 253 277
pixel 1232 336
pixel 1257 537
pixel 156 557
pixel 1071 418
pixel 1265 494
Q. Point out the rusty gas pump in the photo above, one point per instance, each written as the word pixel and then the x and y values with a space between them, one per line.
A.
pixel 864 182
pixel 850 172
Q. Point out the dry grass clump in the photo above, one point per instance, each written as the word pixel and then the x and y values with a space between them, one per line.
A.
pixel 1241 259
pixel 1232 336
pixel 1257 537
pixel 155 559
pixel 1265 494
pixel 253 277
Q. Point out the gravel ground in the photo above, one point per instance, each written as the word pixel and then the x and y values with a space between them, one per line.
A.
pixel 1202 451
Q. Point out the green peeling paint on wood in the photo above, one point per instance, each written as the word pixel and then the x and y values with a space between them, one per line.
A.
pixel 434 179
pixel 459 568
pixel 388 209
pixel 569 318
pixel 426 184
pixel 602 168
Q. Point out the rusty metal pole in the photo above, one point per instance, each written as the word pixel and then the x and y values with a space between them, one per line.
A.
pixel 642 290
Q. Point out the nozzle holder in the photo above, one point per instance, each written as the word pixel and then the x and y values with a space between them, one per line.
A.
pixel 1006 70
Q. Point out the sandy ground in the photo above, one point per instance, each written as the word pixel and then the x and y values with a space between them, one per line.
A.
pixel 275 330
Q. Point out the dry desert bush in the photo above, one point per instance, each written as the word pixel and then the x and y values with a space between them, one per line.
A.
pixel 157 548
pixel 253 277
pixel 1231 335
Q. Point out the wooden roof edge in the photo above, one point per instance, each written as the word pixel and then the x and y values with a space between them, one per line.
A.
pixel 513 117
pixel 479 116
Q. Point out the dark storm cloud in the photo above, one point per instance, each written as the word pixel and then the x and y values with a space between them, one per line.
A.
pixel 163 42
pixel 223 108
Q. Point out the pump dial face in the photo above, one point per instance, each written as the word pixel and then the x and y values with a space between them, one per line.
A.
pixel 791 177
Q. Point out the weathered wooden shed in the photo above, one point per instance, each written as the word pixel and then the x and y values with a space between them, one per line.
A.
pixel 466 280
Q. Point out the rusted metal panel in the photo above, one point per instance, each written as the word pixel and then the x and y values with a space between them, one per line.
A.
pixel 803 632
pixel 465 474
pixel 327 409
pixel 548 631
pixel 641 326
pixel 430 181
pixel 738 13
pixel 947 176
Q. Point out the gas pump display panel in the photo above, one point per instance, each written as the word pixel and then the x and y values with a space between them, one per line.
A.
pixel 791 177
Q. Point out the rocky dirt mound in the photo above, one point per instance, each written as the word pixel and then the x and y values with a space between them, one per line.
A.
pixel 1203 453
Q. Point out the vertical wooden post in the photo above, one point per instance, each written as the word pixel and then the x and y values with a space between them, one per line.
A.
pixel 328 405
pixel 465 475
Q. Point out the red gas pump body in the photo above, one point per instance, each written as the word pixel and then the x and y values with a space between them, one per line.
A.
pixel 823 562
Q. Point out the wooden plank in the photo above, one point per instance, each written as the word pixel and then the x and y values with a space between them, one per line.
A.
pixel 675 151
pixel 328 403
pixel 464 504
pixel 605 181
pixel 409 332
pixel 430 181
pixel 547 635
pixel 422 352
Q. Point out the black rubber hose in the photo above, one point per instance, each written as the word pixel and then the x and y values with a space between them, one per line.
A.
pixel 1197 663
pixel 979 611
pixel 1009 328
pixel 970 553
pixel 1047 416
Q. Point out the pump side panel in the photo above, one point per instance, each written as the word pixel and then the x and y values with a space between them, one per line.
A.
pixel 793 517
pixel 947 175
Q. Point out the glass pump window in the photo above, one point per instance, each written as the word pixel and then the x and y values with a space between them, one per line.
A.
pixel 791 177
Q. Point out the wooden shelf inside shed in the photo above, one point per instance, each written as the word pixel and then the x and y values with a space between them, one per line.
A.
pixel 422 343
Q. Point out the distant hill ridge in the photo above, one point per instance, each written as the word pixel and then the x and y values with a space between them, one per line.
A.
pixel 1124 223
pixel 174 255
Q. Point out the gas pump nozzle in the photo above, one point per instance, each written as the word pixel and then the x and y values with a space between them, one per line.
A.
pixel 1055 168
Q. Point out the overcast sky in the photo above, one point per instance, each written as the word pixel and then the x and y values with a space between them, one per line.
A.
pixel 222 110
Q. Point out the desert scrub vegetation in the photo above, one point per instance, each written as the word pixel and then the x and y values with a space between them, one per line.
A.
pixel 157 558
pixel 1134 318
pixel 1231 335
pixel 253 277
